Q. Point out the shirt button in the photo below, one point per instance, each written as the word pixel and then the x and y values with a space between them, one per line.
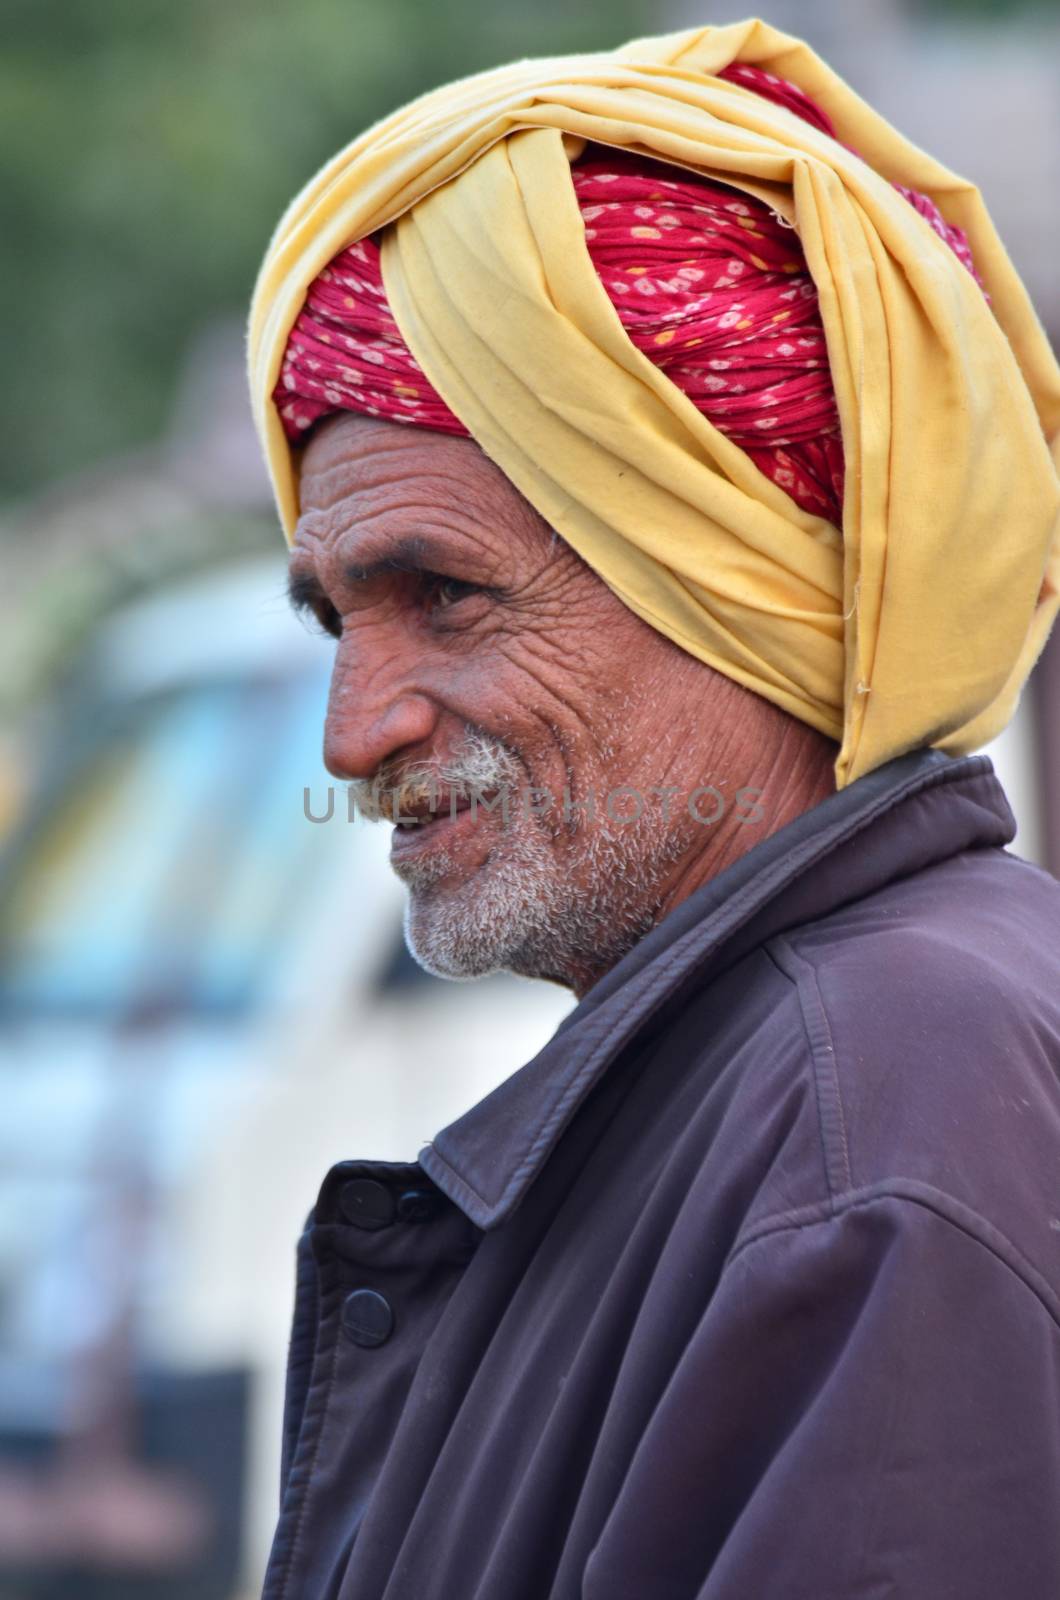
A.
pixel 366 1203
pixel 417 1205
pixel 367 1318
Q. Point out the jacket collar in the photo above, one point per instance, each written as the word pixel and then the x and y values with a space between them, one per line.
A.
pixel 902 817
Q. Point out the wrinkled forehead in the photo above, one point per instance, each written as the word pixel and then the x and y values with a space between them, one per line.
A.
pixel 349 455
pixel 369 485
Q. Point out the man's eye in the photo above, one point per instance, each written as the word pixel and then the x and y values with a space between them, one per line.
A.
pixel 446 592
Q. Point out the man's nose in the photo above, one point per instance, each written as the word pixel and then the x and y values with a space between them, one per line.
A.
pixel 374 712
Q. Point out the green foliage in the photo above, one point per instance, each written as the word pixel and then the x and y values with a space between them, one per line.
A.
pixel 146 151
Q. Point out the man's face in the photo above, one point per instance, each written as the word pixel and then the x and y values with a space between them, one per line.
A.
pixel 480 660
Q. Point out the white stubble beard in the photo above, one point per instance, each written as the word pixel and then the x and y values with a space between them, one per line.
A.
pixel 526 908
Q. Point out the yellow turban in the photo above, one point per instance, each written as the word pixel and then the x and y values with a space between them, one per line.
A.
pixel 919 625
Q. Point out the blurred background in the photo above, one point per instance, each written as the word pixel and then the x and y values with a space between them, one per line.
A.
pixel 204 996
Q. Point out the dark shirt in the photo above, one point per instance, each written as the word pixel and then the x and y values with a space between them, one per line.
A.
pixel 747 1285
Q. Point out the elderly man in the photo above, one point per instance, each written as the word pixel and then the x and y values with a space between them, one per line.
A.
pixel 665 442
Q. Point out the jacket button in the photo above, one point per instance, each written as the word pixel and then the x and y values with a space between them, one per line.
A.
pixel 366 1203
pixel 367 1318
pixel 417 1205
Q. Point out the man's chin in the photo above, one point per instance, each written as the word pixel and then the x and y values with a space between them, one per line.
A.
pixel 484 916
pixel 448 945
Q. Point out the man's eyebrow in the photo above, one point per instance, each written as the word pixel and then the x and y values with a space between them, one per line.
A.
pixel 411 554
pixel 414 554
pixel 407 556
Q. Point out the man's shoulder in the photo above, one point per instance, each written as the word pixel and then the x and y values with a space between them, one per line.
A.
pixel 958 962
pixel 931 1014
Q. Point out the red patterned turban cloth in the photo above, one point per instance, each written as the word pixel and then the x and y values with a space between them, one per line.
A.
pixel 708 282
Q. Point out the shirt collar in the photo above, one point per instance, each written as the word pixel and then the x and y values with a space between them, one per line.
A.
pixel 905 815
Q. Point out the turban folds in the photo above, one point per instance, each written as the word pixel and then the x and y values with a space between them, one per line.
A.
pixel 919 623
pixel 711 285
pixel 735 324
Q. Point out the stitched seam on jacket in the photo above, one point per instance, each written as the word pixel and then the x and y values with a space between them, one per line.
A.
pixel 317 1404
pixel 925 1197
pixel 300 1352
pixel 832 1122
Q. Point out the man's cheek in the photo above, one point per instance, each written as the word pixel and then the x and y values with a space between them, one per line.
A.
pixel 549 667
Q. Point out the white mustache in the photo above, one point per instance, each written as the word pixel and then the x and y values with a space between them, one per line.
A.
pixel 477 765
